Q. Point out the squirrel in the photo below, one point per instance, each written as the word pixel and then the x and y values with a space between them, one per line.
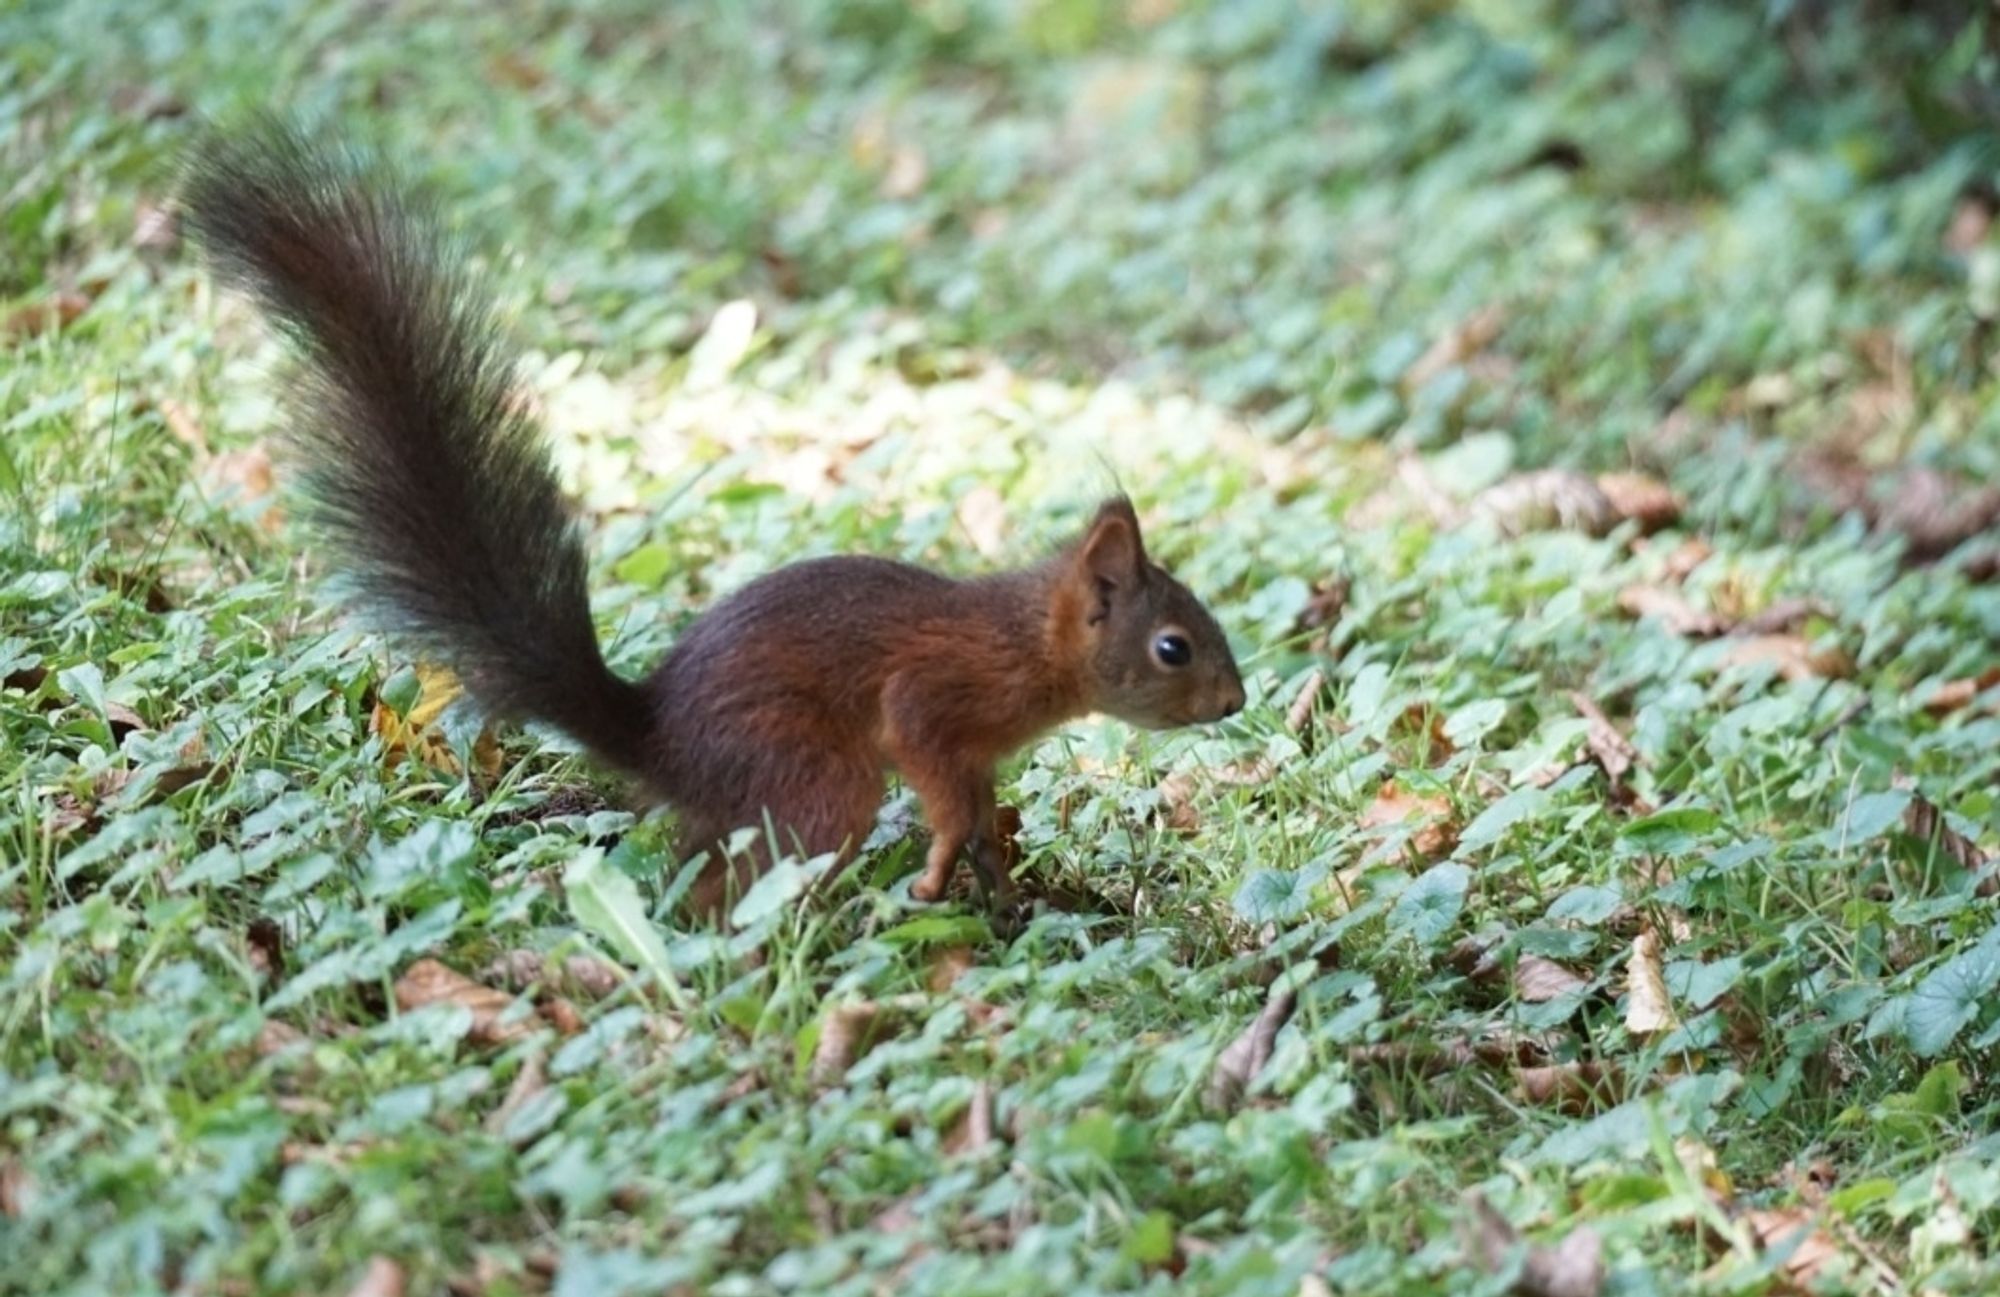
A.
pixel 781 707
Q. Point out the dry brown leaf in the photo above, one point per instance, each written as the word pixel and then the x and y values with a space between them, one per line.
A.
pixel 1573 1267
pixel 907 171
pixel 244 477
pixel 1649 1011
pixel 1636 497
pixel 1795 1231
pixel 1613 751
pixel 183 424
pixel 530 1081
pixel 58 311
pixel 1575 1088
pixel 381 1278
pixel 1792 655
pixel 946 967
pixel 1178 790
pixel 1300 713
pixel 848 1030
pixel 1238 1065
pixel 429 982
pixel 17 1189
pixel 983 515
pixel 1455 346
pixel 581 975
pixel 1783 616
pixel 1685 557
pixel 1953 695
pixel 1671 608
pixel 1970 220
pixel 1546 499
pixel 1538 980
pixel 974 1128
pixel 1436 831
pixel 154 228
pixel 562 1015
pixel 417 735
pixel 1923 820
pixel 1325 604
pixel 1424 724
pixel 275 1037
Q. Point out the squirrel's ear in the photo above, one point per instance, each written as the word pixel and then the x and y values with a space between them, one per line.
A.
pixel 1112 555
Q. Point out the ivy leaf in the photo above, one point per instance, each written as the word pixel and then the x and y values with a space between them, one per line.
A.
pixel 1947 1001
pixel 607 904
pixel 1430 905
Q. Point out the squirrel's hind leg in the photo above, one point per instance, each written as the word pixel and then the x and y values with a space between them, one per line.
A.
pixel 816 812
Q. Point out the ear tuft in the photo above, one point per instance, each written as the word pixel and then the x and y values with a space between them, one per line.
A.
pixel 1112 556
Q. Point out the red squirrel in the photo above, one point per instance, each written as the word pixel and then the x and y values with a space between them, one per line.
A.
pixel 785 703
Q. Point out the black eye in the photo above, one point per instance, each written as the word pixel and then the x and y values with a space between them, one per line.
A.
pixel 1173 650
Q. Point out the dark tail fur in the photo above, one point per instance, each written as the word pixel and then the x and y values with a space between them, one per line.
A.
pixel 431 482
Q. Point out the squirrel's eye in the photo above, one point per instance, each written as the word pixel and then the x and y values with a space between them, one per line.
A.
pixel 1173 650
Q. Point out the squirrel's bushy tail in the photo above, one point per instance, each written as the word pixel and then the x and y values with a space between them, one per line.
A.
pixel 419 466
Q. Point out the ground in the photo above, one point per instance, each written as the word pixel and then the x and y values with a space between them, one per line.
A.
pixel 1575 416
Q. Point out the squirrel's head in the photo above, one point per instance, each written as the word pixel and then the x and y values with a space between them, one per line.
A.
pixel 1156 657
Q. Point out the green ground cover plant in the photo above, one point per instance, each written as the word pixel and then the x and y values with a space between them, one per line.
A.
pixel 1581 417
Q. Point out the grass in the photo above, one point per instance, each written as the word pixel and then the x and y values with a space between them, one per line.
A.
pixel 1306 279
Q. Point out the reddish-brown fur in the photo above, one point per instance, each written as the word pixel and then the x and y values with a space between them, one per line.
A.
pixel 786 703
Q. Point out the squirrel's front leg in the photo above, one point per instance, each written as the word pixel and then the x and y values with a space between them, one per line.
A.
pixel 959 807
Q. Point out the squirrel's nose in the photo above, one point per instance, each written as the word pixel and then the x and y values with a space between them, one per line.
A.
pixel 1232 702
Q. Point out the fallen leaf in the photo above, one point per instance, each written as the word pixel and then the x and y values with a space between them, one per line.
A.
pixel 1612 750
pixel 1455 346
pixel 1794 1231
pixel 1324 605
pixel 1575 1088
pixel 1177 792
pixel 58 311
pixel 1425 723
pixel 1433 829
pixel 1923 820
pixel 1300 713
pixel 244 478
pixel 848 1030
pixel 1573 1267
pixel 1954 695
pixel 530 1081
pixel 1238 1064
pixel 154 228
pixel 1649 1011
pixel 947 966
pixel 183 425
pixel 974 1128
pixel 908 170
pixel 1538 980
pixel 417 735
pixel 1792 655
pixel 1635 497
pixel 1546 499
pixel 17 1189
pixel 1783 616
pixel 1684 558
pixel 429 982
pixel 382 1278
pixel 1672 610
pixel 559 1013
pixel 1970 220
pixel 983 514
pixel 581 975
pixel 275 1037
